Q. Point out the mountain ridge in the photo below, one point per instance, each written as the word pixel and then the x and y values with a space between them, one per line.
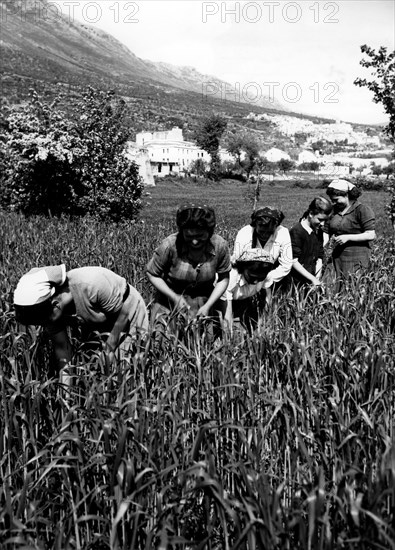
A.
pixel 55 48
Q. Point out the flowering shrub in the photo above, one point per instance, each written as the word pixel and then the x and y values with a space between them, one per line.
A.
pixel 54 165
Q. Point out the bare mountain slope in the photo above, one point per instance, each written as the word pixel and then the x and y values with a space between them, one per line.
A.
pixel 39 43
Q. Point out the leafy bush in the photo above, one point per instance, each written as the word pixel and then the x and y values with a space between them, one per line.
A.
pixel 53 165
pixel 302 184
pixel 369 183
pixel 309 166
pixel 232 170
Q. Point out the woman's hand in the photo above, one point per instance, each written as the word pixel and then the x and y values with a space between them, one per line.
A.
pixel 340 240
pixel 316 282
pixel 181 303
pixel 203 311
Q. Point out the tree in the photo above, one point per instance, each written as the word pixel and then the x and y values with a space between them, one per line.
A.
pixel 235 147
pixel 198 167
pixel 318 145
pixel 382 65
pixel 312 166
pixel 265 166
pixel 285 165
pixel 208 137
pixel 249 145
pixel 55 165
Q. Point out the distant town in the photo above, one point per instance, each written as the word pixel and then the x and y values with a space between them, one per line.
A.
pixel 330 148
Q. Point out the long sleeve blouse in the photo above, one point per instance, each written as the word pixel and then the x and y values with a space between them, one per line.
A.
pixel 278 246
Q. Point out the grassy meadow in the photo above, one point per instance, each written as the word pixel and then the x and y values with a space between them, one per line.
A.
pixel 278 440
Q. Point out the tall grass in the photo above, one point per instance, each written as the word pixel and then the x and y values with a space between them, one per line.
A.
pixel 279 439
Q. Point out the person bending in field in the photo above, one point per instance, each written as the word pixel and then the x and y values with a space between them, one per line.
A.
pixel 266 233
pixel 190 268
pixel 307 240
pixel 246 295
pixel 99 299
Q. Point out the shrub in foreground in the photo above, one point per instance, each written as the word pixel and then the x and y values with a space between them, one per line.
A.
pixel 53 165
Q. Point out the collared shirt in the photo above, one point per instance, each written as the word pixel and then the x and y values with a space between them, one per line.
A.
pixel 307 248
pixel 239 289
pixel 278 247
pixel 181 275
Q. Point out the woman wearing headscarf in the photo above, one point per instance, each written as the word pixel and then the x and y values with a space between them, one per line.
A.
pixel 246 282
pixel 95 297
pixel 352 228
pixel 266 232
pixel 190 268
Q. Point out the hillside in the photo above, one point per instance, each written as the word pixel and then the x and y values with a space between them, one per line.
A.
pixel 43 50
pixel 41 45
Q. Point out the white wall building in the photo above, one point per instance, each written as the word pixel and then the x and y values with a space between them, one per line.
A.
pixel 140 156
pixel 274 155
pixel 307 156
pixel 168 152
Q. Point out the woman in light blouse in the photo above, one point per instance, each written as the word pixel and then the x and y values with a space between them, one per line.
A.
pixel 266 232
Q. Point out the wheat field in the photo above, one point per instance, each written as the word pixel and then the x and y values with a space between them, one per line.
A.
pixel 279 439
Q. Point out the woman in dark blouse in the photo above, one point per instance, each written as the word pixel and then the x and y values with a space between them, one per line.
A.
pixel 307 243
pixel 352 227
pixel 190 269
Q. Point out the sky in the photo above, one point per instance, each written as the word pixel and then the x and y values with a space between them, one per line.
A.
pixel 304 54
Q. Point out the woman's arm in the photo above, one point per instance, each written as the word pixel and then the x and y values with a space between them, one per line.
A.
pixel 62 347
pixel 243 241
pixel 229 313
pixel 356 238
pixel 297 266
pixel 284 253
pixel 219 289
pixel 318 268
pixel 161 285
pixel 119 327
pixel 63 353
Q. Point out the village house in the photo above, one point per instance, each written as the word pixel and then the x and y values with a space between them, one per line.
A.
pixel 168 152
pixel 140 156
pixel 307 156
pixel 274 155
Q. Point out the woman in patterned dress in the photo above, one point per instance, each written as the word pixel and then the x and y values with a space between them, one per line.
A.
pixel 190 268
pixel 352 228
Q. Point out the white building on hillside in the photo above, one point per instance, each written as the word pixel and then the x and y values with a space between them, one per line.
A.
pixel 168 152
pixel 140 156
pixel 274 155
pixel 307 156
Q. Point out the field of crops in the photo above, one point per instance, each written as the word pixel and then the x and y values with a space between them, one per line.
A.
pixel 282 439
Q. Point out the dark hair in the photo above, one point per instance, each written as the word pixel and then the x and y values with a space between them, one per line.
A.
pixel 267 212
pixel 240 265
pixel 196 216
pixel 38 314
pixel 352 194
pixel 319 205
pixel 262 267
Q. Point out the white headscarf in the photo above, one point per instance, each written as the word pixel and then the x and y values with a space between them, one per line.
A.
pixel 341 185
pixel 39 284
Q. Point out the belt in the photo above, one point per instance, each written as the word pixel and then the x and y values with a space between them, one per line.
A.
pixel 126 293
